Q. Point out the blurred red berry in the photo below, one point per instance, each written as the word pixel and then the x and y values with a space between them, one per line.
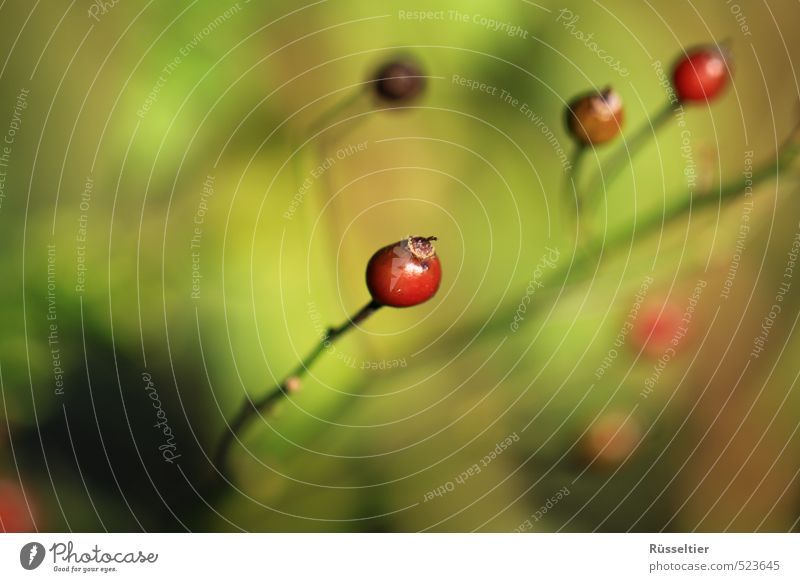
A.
pixel 15 514
pixel 701 74
pixel 404 273
pixel 657 328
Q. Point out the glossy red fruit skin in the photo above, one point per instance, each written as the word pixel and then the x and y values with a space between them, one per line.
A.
pixel 701 75
pixel 405 273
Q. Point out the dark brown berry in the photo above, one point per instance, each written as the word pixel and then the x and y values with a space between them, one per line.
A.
pixel 399 82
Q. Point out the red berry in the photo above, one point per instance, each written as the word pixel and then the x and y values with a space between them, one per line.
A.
pixel 595 118
pixel 15 515
pixel 701 74
pixel 404 273
pixel 657 329
pixel 399 81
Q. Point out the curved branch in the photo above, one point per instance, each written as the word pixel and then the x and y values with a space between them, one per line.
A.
pixel 250 408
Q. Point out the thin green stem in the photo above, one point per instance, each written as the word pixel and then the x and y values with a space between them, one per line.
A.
pixel 252 408
pixel 331 114
pixel 571 191
pixel 317 126
pixel 655 220
pixel 570 272
pixel 317 153
pixel 631 146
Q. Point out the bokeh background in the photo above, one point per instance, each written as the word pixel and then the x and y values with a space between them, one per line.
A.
pixel 152 278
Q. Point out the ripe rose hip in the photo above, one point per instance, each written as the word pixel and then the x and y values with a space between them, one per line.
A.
pixel 404 273
pixel 701 74
pixel 399 81
pixel 595 118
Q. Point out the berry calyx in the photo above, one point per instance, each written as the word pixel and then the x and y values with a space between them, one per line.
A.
pixel 701 74
pixel 595 118
pixel 399 82
pixel 405 273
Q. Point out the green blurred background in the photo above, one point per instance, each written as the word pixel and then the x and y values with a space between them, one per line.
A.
pixel 150 101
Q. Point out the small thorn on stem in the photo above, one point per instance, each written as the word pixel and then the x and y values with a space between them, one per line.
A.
pixel 706 168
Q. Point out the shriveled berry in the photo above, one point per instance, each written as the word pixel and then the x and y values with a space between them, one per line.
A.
pixel 701 74
pixel 398 82
pixel 595 118
pixel 404 273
